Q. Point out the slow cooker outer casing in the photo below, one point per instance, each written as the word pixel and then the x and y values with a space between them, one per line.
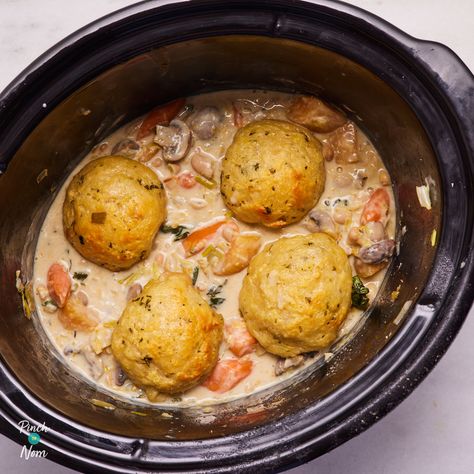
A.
pixel 415 101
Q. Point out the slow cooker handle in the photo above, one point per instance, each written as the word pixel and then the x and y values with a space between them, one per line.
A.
pixel 453 77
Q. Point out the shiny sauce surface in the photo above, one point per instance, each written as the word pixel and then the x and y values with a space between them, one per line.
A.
pixel 348 187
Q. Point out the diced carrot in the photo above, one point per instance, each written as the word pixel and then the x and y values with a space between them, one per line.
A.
pixel 195 242
pixel 376 208
pixel 59 284
pixel 161 115
pixel 227 374
pixel 186 179
pixel 240 341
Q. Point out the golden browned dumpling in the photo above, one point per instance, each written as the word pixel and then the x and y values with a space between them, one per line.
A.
pixel 167 339
pixel 272 173
pixel 296 294
pixel 112 211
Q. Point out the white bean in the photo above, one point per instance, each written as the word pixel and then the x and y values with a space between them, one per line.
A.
pixel 203 164
pixel 198 203
pixel 134 291
pixel 341 215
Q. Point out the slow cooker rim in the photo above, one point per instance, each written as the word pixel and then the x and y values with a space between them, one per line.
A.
pixel 431 352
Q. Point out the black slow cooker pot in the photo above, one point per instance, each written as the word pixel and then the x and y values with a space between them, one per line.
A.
pixel 415 100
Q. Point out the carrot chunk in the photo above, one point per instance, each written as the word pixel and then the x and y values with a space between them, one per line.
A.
pixel 240 341
pixel 227 374
pixel 376 208
pixel 161 115
pixel 59 284
pixel 196 241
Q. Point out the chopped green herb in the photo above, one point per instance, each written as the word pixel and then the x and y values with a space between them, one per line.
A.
pixel 207 183
pixel 49 302
pixel 214 300
pixel 180 232
pixel 147 360
pixel 128 280
pixel 81 276
pixel 212 251
pixel 359 292
pixel 195 275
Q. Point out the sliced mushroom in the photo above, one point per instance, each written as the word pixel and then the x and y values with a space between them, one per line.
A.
pixel 127 148
pixel 378 252
pixel 203 164
pixel 96 367
pixel 282 365
pixel 204 122
pixel 120 376
pixel 366 270
pixel 320 221
pixel 360 178
pixel 174 139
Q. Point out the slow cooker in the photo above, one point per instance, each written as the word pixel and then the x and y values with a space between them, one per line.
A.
pixel 413 98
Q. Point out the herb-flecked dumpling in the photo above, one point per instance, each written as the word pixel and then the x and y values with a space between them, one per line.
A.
pixel 272 173
pixel 168 337
pixel 296 294
pixel 112 211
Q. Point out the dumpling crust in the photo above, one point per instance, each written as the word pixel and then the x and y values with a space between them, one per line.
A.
pixel 272 173
pixel 296 294
pixel 112 211
pixel 167 339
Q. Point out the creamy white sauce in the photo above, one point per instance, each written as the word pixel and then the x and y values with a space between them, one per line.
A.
pixel 107 291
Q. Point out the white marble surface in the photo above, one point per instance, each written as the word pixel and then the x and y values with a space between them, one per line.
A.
pixel 431 432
